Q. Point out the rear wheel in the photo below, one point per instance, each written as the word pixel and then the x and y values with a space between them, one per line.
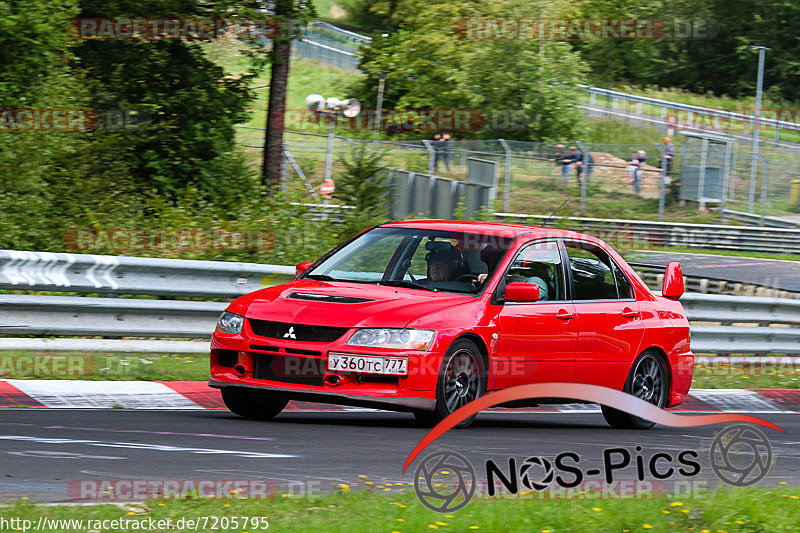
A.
pixel 462 378
pixel 253 404
pixel 647 381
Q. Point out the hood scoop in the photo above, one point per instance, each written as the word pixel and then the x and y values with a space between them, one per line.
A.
pixel 318 297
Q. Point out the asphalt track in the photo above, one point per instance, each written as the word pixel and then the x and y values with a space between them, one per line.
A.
pixel 43 450
pixel 780 274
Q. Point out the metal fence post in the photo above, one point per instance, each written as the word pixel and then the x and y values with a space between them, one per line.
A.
pixel 662 182
pixel 701 182
pixel 764 186
pixel 507 191
pixel 431 157
pixel 585 180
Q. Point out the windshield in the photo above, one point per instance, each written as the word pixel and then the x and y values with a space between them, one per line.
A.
pixel 421 259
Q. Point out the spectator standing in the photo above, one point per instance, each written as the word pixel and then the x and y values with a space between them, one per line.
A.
pixel 437 150
pixel 578 158
pixel 639 159
pixel 569 161
pixel 558 155
pixel 669 153
pixel 447 146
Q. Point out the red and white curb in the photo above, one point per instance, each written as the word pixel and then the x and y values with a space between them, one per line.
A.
pixel 72 394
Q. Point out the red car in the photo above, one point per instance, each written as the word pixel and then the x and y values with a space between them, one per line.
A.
pixel 427 315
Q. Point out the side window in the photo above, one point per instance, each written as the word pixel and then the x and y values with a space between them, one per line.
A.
pixel 592 274
pixel 539 263
pixel 623 285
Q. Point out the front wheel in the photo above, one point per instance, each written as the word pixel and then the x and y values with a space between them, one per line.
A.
pixel 462 379
pixel 253 404
pixel 647 381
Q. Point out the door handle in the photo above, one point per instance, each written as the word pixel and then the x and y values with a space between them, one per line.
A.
pixel 629 313
pixel 563 314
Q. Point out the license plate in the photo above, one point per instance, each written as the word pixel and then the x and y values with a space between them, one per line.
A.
pixel 340 362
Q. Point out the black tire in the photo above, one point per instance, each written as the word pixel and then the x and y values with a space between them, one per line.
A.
pixel 462 378
pixel 649 381
pixel 253 404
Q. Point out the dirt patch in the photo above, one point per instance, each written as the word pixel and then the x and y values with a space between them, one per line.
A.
pixel 613 173
pixel 336 12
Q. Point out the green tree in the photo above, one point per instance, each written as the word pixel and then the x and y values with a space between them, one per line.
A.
pixel 432 63
pixel 192 104
pixel 363 185
pixel 35 75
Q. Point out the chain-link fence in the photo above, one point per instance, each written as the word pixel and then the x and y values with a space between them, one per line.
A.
pixel 536 177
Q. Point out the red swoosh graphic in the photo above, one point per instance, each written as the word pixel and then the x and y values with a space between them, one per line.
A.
pixel 579 391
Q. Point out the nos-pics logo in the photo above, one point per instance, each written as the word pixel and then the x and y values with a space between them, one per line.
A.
pixel 445 481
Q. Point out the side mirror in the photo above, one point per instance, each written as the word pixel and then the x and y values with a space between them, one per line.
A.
pixel 300 268
pixel 673 282
pixel 522 292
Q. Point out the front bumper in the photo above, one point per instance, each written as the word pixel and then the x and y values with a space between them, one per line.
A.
pixel 393 403
pixel 299 369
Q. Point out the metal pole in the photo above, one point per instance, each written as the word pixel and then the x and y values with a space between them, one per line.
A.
pixel 381 85
pixel 726 169
pixel 329 155
pixel 662 183
pixel 585 181
pixel 756 126
pixel 701 184
pixel 431 156
pixel 764 185
pixel 507 186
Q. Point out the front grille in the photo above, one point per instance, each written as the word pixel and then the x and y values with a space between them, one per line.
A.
pixel 299 332
pixel 287 369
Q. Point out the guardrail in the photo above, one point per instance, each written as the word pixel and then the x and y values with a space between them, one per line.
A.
pixel 643 233
pixel 704 111
pixel 721 324
pixel 716 321
pixel 717 324
pixel 757 220
pixel 107 274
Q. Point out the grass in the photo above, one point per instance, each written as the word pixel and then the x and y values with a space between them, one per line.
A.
pixel 398 510
pixel 175 367
pixel 102 366
pixel 744 376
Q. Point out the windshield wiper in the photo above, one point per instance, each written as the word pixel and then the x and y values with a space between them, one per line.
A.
pixel 405 283
pixel 321 277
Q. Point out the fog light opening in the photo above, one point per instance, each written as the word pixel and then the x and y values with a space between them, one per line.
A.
pixel 240 369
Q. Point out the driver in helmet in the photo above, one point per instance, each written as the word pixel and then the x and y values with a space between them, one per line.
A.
pixel 444 261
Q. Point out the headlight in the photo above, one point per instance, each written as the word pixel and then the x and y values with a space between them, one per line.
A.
pixel 230 323
pixel 401 339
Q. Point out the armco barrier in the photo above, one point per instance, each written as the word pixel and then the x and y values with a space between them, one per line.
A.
pixel 644 233
pixel 108 274
pixel 721 324
pixel 718 322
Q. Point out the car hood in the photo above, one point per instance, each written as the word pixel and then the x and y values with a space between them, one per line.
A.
pixel 342 304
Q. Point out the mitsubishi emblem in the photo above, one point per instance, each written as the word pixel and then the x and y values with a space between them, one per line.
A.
pixel 290 334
